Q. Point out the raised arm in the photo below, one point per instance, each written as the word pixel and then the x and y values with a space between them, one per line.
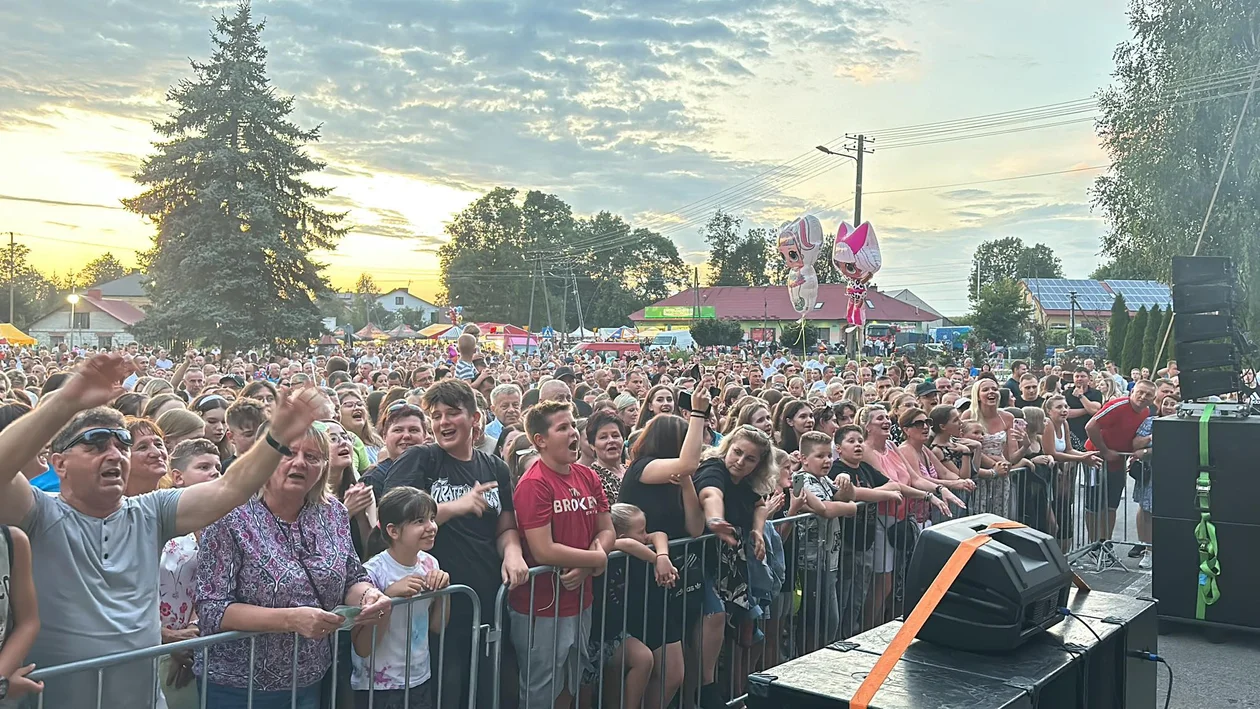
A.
pixel 96 383
pixel 201 505
pixel 664 471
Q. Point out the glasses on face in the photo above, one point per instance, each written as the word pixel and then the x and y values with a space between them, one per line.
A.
pixel 98 438
pixel 921 423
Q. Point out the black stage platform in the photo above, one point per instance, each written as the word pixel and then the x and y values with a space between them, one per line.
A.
pixel 1062 668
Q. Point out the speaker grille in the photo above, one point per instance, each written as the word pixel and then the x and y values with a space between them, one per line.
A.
pixel 1039 611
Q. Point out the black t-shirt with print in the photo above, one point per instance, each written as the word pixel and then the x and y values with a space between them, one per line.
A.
pixel 466 546
pixel 859 533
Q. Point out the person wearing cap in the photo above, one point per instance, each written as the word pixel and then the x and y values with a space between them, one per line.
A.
pixel 928 395
pixel 565 374
pixel 99 549
pixel 234 382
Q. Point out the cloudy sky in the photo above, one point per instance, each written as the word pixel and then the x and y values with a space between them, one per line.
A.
pixel 660 110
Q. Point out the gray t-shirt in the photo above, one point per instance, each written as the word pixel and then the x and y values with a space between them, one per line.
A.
pixel 97 581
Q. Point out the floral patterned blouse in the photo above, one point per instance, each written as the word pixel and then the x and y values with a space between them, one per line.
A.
pixel 251 556
pixel 176 573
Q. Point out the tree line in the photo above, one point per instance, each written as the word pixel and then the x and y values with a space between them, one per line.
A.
pixel 36 293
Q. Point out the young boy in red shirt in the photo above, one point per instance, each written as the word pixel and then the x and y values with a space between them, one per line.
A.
pixel 564 520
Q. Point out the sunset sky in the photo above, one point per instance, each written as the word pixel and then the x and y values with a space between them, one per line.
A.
pixel 639 107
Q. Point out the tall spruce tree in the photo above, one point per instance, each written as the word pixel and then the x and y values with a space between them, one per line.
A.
pixel 231 262
pixel 1133 340
pixel 1150 339
pixel 1117 327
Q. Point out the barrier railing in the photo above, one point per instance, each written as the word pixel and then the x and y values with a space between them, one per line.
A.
pixel 96 669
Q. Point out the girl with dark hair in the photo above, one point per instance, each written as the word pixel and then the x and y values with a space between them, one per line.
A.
pixel 40 474
pixel 659 482
pixel 212 408
pixel 263 391
pixel 130 403
pixel 795 418
pixel 659 400
pixel 408 527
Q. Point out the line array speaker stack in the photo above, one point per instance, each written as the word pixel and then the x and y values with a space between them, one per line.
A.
pixel 1206 524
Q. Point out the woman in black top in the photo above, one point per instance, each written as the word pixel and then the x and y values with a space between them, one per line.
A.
pixel 658 481
pixel 732 483
pixel 795 418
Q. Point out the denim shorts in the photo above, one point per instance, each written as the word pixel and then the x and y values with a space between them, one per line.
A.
pixel 710 602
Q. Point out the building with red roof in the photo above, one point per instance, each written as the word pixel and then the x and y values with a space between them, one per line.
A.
pixel 762 310
pixel 93 321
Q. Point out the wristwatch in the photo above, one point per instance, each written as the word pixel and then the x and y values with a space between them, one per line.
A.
pixel 278 446
pixel 939 492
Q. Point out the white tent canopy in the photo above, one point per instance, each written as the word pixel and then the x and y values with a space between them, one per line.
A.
pixel 581 333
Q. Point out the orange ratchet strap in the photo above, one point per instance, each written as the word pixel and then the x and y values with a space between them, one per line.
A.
pixel 914 623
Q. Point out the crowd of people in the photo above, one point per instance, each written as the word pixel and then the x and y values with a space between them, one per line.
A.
pixel 655 522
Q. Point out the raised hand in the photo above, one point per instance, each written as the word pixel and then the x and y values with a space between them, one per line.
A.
pixel 294 413
pixel 96 382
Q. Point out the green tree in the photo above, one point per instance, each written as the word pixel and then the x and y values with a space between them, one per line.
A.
pixel 1117 327
pixel 617 268
pixel 737 259
pixel 790 335
pixel 1120 270
pixel 1134 340
pixel 1167 140
pixel 1150 339
pixel 1058 337
pixel 1010 259
pixel 365 306
pixel 1001 315
pixel 102 269
pixel 708 333
pixel 236 222
pixel 1170 352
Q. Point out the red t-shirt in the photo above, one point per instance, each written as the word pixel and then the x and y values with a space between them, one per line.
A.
pixel 1119 424
pixel 571 504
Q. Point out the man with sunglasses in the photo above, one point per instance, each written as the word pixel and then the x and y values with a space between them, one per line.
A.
pixel 99 551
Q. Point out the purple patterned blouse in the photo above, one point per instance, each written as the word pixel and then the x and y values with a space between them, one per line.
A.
pixel 251 556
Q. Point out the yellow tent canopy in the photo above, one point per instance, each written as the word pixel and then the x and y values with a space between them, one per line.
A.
pixel 14 336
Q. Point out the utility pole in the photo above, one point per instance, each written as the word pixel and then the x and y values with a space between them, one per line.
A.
pixel 860 151
pixel 529 326
pixel 12 274
pixel 577 301
pixel 1071 338
pixel 695 311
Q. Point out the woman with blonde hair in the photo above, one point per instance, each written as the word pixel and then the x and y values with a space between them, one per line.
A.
pixel 160 404
pixel 179 425
pixel 856 394
pixel 280 563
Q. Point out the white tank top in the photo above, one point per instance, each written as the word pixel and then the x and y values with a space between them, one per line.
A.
pixel 1060 444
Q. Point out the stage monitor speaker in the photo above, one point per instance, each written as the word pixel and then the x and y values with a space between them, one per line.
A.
pixel 1201 270
pixel 1215 297
pixel 1008 592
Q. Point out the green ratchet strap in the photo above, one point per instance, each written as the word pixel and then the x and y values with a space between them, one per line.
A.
pixel 1205 531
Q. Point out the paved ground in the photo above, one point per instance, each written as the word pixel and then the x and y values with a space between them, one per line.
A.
pixel 1209 670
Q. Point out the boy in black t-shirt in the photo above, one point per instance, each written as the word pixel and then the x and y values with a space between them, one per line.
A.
pixel 857 557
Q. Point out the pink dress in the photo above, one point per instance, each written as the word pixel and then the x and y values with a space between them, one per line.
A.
pixel 893 466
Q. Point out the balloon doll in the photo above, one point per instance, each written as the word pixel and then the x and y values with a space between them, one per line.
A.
pixel 857 257
pixel 800 242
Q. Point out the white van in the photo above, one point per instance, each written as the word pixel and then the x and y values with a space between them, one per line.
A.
pixel 673 340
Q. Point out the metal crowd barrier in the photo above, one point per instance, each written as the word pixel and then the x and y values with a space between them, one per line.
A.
pixel 95 669
pixel 1099 528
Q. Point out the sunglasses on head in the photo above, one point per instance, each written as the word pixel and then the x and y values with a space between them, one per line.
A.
pixel 401 405
pixel 98 438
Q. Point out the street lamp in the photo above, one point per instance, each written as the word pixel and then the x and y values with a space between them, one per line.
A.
pixel 73 298
pixel 829 151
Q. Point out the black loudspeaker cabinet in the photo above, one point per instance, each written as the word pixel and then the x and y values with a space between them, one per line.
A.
pixel 1231 454
pixel 1235 513
pixel 1176 572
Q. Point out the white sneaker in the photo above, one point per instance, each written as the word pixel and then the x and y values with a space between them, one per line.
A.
pixel 1148 558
